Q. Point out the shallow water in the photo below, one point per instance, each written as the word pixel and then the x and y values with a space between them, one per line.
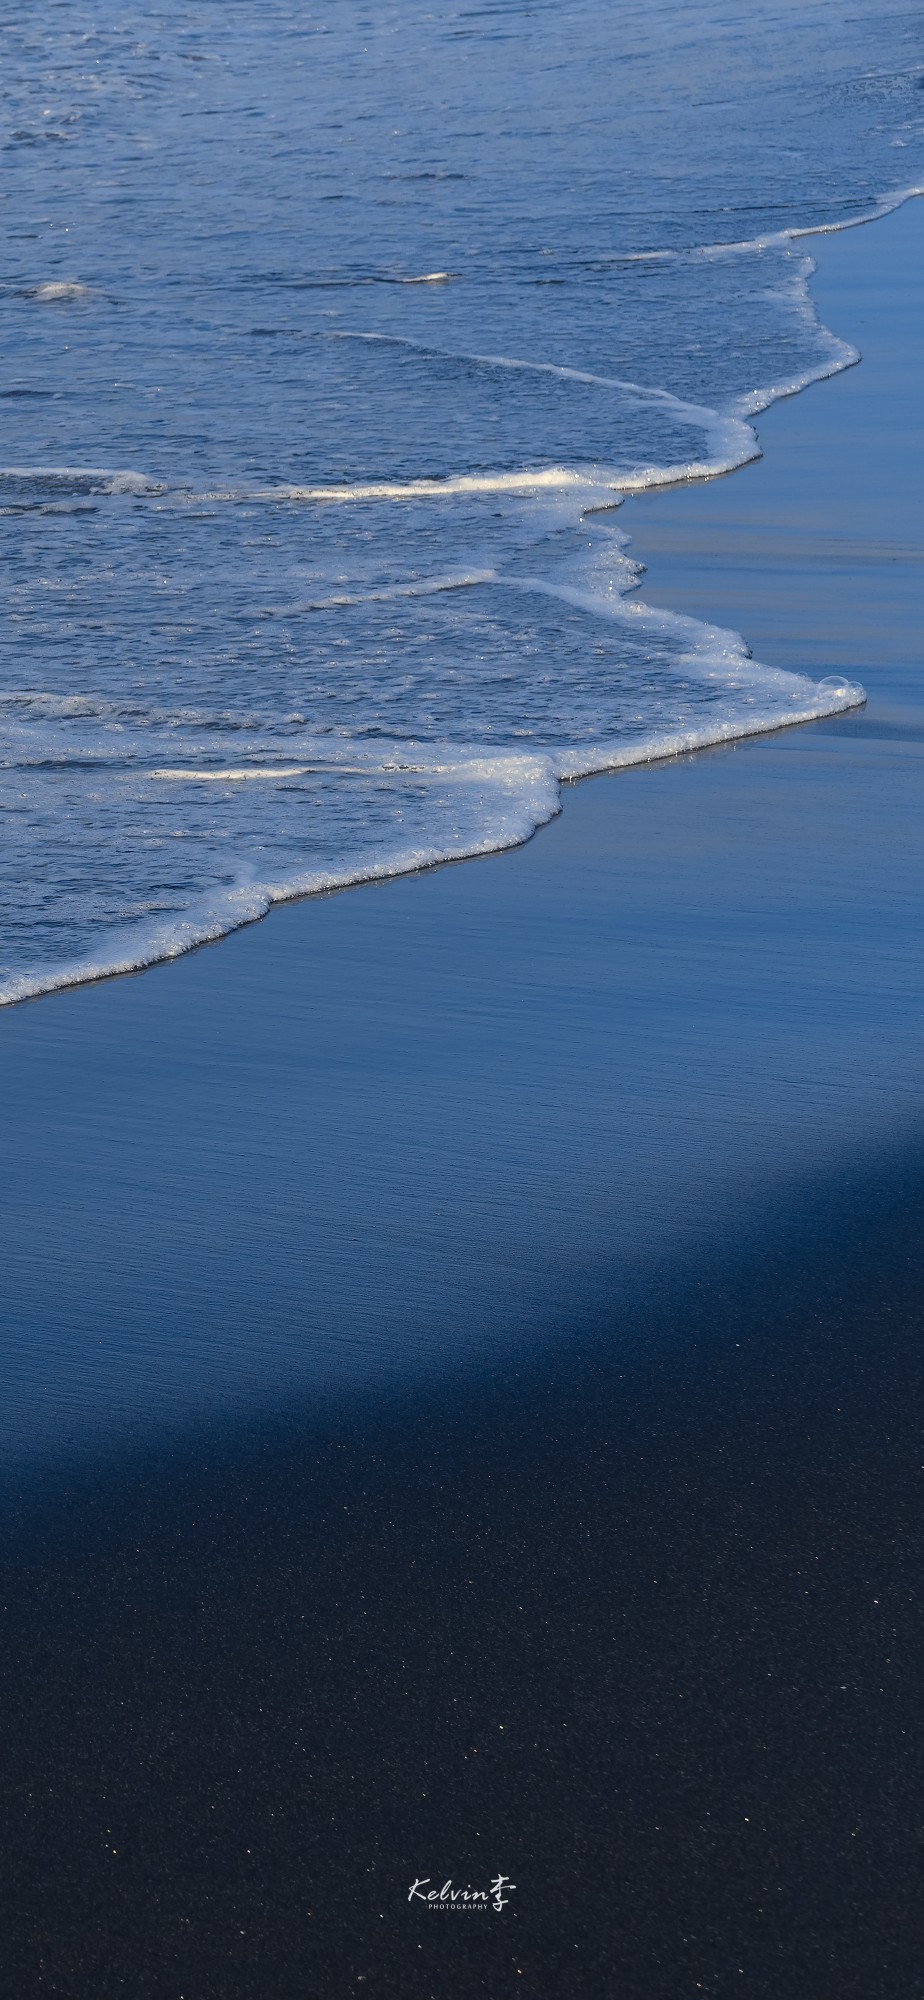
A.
pixel 325 341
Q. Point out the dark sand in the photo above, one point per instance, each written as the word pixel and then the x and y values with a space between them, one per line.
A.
pixel 464 1348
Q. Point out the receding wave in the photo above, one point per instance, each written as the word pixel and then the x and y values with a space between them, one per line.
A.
pixel 366 608
pixel 497 798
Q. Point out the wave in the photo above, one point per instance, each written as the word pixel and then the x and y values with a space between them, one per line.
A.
pixel 533 797
pixel 511 794
pixel 523 794
pixel 731 441
pixel 884 204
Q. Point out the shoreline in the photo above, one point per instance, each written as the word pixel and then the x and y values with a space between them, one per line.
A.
pixel 585 1189
pixel 617 883
pixel 259 901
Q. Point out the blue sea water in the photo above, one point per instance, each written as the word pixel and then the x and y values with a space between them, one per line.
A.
pixel 330 342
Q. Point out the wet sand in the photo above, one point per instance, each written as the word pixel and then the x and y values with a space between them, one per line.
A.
pixel 463 1353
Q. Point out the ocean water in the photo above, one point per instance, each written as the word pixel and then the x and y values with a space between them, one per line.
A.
pixel 330 342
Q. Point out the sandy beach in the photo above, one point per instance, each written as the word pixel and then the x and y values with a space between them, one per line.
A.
pixel 462 1346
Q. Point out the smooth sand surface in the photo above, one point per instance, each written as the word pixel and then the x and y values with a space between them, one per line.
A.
pixel 463 1352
